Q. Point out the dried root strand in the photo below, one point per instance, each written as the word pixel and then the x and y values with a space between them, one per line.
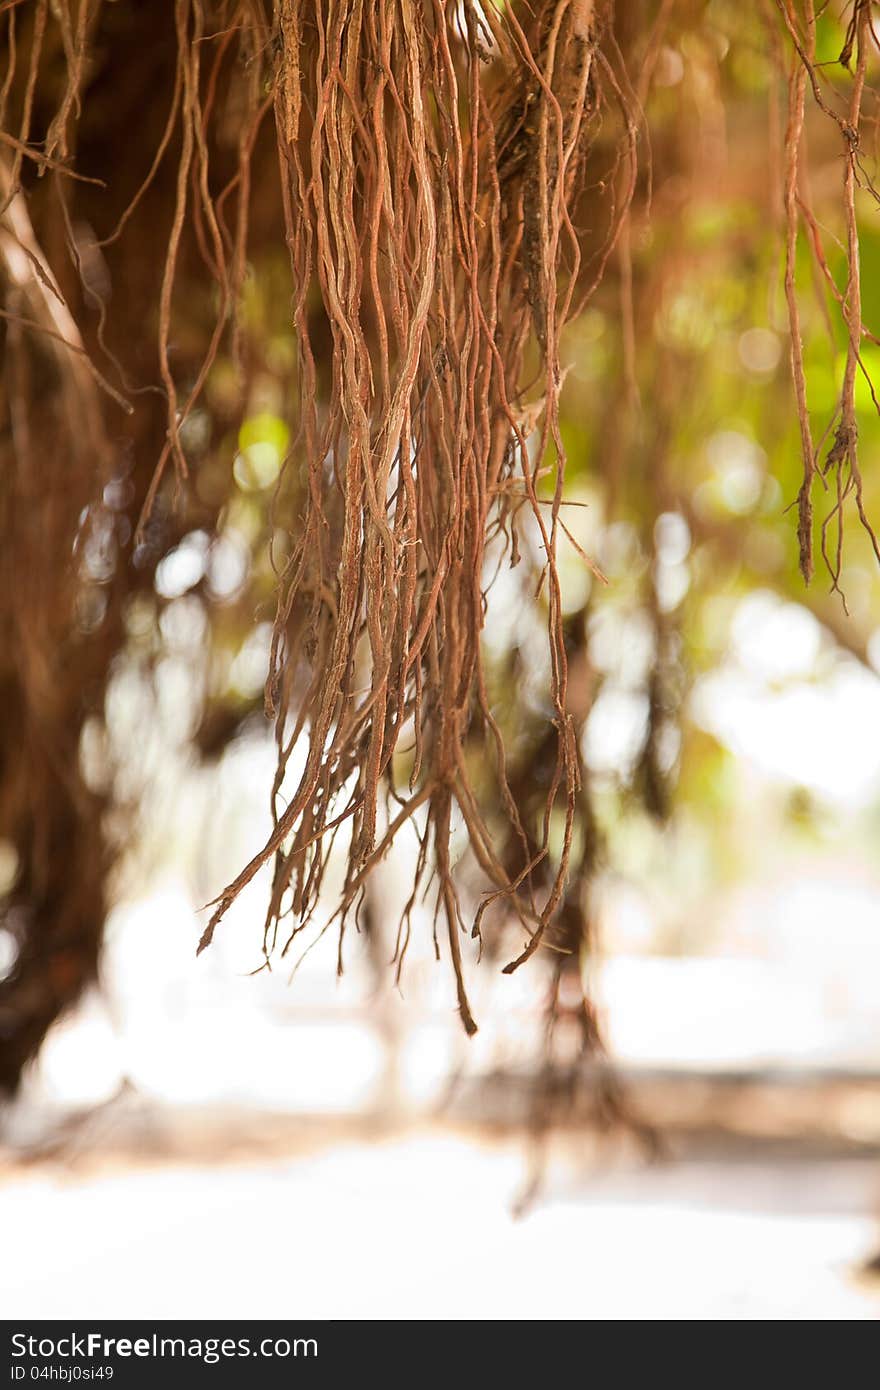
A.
pixel 841 461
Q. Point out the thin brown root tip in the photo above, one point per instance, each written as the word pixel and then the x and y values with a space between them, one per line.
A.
pixel 805 552
pixel 524 955
pixel 206 938
pixel 469 1026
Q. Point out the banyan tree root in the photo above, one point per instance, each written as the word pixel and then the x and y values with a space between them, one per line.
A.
pixel 430 156
pixel 841 463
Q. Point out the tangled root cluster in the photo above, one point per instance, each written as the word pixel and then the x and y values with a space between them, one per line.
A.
pixel 429 203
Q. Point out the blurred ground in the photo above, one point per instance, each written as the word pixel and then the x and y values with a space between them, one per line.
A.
pixel 153 1212
pixel 197 1142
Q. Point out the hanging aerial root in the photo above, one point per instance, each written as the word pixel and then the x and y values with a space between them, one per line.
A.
pixel 841 461
pixel 430 157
